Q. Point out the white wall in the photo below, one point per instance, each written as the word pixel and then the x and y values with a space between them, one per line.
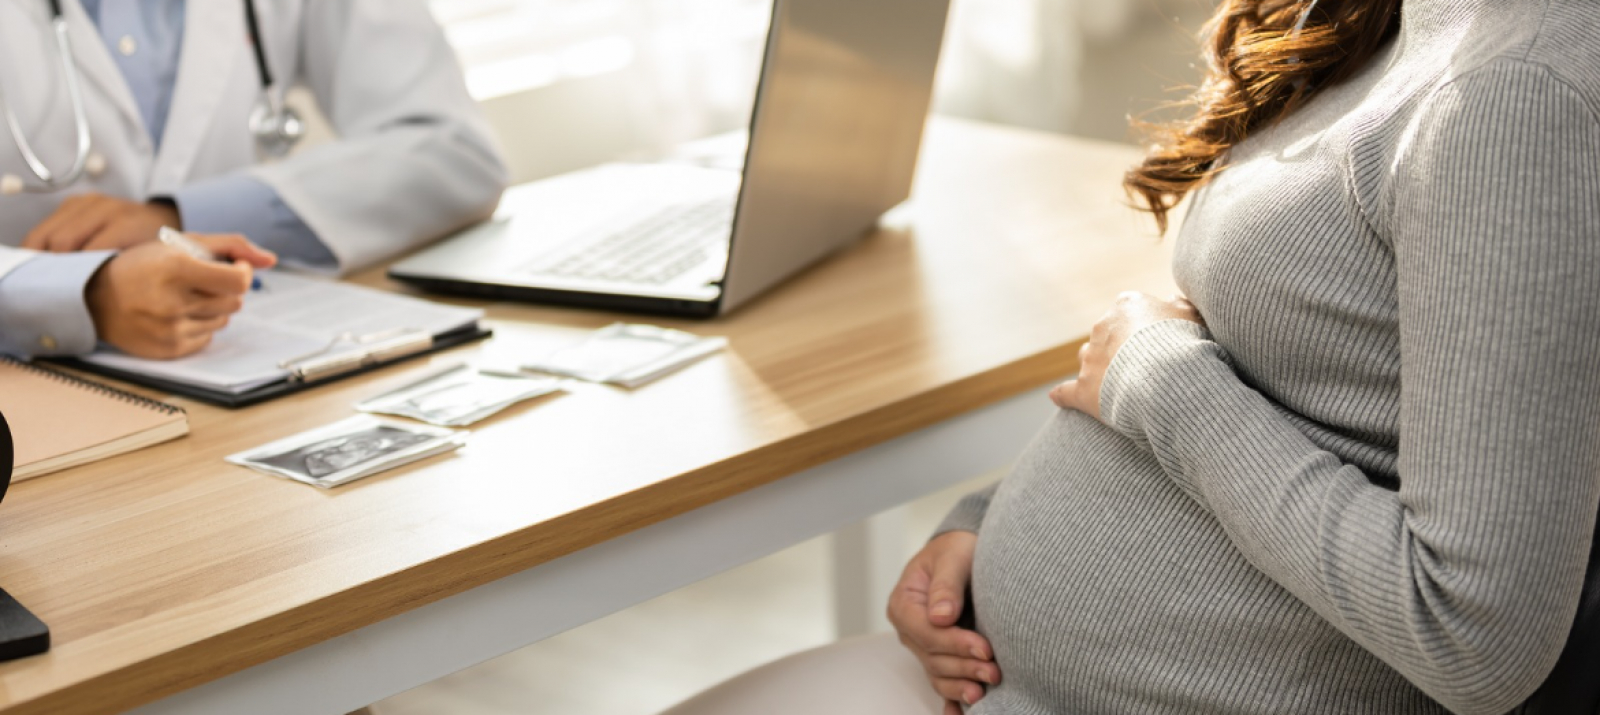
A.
pixel 572 83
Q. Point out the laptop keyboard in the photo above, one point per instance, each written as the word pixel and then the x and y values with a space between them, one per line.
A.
pixel 652 251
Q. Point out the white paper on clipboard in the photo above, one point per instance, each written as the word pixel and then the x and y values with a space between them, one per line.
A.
pixel 292 317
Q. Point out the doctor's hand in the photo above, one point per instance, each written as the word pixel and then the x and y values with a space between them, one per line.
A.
pixel 156 301
pixel 1131 312
pixel 93 222
pixel 924 608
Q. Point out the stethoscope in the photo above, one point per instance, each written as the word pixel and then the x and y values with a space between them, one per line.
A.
pixel 275 127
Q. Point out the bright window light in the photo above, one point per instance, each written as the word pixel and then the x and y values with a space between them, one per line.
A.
pixel 510 46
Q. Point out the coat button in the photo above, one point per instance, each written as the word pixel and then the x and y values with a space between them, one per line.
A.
pixel 127 46
pixel 47 342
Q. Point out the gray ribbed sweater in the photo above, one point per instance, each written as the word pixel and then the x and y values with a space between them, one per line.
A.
pixel 1370 484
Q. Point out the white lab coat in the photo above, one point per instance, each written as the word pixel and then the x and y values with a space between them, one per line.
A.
pixel 414 159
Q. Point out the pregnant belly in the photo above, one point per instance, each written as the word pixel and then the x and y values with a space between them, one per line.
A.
pixel 1106 589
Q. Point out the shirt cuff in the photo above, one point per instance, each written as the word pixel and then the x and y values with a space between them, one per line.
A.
pixel 240 203
pixel 42 308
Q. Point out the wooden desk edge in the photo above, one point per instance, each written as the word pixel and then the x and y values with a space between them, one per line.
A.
pixel 312 623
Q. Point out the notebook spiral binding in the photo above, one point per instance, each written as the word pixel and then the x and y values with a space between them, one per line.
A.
pixel 93 386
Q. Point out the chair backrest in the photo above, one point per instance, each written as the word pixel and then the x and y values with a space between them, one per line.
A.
pixel 1573 688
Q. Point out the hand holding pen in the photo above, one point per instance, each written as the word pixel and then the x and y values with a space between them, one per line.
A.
pixel 167 299
pixel 181 241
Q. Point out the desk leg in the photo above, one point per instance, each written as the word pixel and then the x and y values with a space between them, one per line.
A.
pixel 867 559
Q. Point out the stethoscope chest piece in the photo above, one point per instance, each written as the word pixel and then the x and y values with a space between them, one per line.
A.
pixel 276 128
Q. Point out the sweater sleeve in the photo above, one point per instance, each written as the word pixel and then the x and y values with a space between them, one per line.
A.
pixel 967 515
pixel 1467 578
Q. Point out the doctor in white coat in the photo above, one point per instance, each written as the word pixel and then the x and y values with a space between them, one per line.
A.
pixel 168 88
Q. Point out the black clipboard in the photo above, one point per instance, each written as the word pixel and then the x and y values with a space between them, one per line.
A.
pixel 286 386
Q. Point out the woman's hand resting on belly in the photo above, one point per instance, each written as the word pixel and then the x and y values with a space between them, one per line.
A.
pixel 1131 312
pixel 924 608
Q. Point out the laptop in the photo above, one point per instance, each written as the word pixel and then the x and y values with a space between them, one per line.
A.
pixel 832 144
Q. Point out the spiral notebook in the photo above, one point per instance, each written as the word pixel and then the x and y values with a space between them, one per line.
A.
pixel 60 421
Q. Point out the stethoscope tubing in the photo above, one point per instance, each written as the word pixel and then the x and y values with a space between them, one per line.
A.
pixel 263 70
pixel 278 129
pixel 80 118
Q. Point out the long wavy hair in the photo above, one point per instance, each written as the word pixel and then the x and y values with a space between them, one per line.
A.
pixel 1260 68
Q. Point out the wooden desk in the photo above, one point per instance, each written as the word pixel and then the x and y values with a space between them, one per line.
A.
pixel 886 373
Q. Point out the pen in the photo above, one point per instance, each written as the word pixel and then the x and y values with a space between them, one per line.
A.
pixel 175 238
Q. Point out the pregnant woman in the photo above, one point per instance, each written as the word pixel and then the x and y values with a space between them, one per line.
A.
pixel 1357 469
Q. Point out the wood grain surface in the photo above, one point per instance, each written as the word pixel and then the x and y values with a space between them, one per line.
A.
pixel 167 568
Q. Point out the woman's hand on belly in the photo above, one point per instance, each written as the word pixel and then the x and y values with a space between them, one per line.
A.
pixel 924 609
pixel 1132 312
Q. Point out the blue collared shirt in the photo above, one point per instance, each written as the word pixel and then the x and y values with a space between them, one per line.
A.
pixel 41 302
pixel 145 38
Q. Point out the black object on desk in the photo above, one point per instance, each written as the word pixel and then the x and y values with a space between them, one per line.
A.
pixel 21 632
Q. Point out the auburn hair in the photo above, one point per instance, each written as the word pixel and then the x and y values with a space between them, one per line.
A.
pixel 1259 70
